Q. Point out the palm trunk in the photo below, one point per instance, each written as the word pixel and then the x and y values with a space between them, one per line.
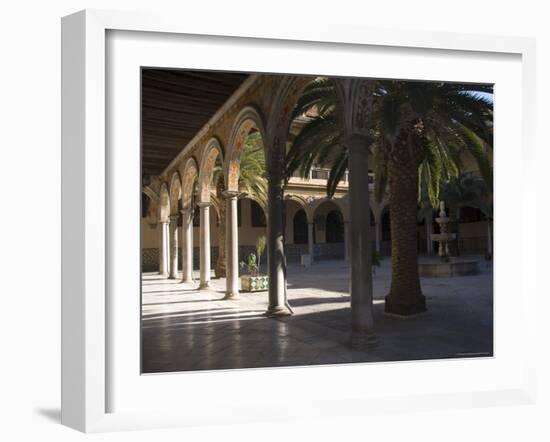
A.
pixel 405 297
pixel 221 263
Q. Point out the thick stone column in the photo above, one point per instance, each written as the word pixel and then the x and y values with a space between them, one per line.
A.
pixel 232 245
pixel 310 244
pixel 173 247
pixel 205 264
pixel 276 260
pixel 360 247
pixel 187 245
pixel 164 249
pixel 346 240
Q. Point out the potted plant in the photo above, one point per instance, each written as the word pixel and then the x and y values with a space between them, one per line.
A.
pixel 254 281
pixel 376 261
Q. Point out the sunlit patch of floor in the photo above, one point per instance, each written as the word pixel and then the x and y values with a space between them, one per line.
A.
pixel 184 328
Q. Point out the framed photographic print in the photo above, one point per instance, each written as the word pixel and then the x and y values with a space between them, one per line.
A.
pixel 290 224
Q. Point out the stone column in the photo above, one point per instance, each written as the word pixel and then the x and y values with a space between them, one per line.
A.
pixel 310 244
pixel 187 246
pixel 276 261
pixel 164 253
pixel 173 247
pixel 232 245
pixel 346 240
pixel 205 263
pixel 360 248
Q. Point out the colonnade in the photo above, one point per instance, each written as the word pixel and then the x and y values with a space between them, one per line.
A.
pixel 274 130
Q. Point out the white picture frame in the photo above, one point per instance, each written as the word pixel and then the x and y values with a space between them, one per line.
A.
pixel 86 313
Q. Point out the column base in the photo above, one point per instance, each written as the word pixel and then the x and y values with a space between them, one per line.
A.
pixel 397 309
pixel 204 285
pixel 362 339
pixel 231 295
pixel 277 311
pixel 163 274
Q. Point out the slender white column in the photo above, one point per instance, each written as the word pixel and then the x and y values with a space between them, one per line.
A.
pixel 187 246
pixel 361 258
pixel 346 240
pixel 205 264
pixel 173 247
pixel 232 245
pixel 310 246
pixel 164 257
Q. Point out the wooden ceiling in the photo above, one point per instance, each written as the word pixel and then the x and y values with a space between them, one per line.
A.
pixel 175 105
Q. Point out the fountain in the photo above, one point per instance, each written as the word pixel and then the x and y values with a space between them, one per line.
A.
pixel 446 265
pixel 444 237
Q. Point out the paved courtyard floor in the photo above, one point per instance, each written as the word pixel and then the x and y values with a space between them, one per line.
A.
pixel 187 329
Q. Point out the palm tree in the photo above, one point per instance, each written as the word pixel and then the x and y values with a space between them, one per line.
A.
pixel 252 182
pixel 419 130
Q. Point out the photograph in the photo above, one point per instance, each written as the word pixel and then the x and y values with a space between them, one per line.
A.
pixel 303 220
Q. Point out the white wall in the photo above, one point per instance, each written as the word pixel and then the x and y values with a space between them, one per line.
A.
pixel 30 220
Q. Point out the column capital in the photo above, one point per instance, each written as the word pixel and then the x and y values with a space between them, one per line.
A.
pixel 173 218
pixel 357 139
pixel 186 212
pixel 230 194
pixel 202 204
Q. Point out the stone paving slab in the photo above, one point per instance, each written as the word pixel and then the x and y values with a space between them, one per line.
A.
pixel 184 328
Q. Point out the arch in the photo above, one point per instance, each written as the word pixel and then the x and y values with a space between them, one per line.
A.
pixel 302 202
pixel 164 197
pixel 341 203
pixel 189 176
pixel 212 151
pixel 153 196
pixel 354 95
pixel 175 192
pixel 287 90
pixel 247 120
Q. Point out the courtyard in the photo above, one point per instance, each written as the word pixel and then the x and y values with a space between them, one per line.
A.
pixel 184 328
